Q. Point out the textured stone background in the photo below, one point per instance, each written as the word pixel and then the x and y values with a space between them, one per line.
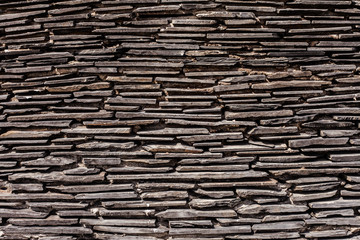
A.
pixel 179 119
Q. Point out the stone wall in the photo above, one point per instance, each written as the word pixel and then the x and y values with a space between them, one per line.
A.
pixel 179 119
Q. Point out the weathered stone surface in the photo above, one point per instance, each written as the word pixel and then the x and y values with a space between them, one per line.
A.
pixel 291 225
pixel 259 114
pixel 338 221
pixel 127 230
pixel 169 195
pixel 50 116
pixel 64 123
pixel 190 213
pixel 92 188
pixel 280 208
pixel 327 124
pixel 210 203
pixel 277 235
pixel 289 158
pixel 97 131
pixel 31 187
pixel 317 141
pixel 48 230
pixel 36 196
pixel 275 218
pixel 179 119
pixel 56 177
pixel 105 145
pixel 296 197
pixel 224 160
pixel 190 176
pixel 57 205
pixel 327 233
pixel 28 134
pixel 138 170
pixel 21 213
pixel 126 213
pixel 331 111
pixel 26 155
pixel 190 223
pixel 311 171
pixel 165 186
pixel 340 212
pixel 51 220
pixel 213 194
pixel 272 130
pixel 172 148
pixel 124 115
pixel 213 168
pixel 338 133
pixel 175 131
pixel 209 232
pixel 282 84
pixel 250 147
pixel 140 204
pixel 258 192
pixel 344 157
pixel 11 16
pixel 50 161
pixel 188 155
pixel 340 203
pixel 215 136
pixel 226 88
pixel 29 69
pixel 81 171
pixel 109 195
pixel 76 213
pixel 119 222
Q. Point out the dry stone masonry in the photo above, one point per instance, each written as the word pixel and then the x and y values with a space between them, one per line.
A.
pixel 179 119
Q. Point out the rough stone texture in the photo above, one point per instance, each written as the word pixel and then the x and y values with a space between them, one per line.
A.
pixel 179 119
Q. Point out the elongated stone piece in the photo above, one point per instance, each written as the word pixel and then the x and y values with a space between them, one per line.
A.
pixel 317 141
pixel 179 214
pixel 280 208
pixel 47 230
pixel 56 177
pixel 119 222
pixel 51 116
pixel 97 131
pixel 21 213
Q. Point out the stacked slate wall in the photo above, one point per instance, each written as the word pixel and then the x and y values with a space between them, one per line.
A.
pixel 179 119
